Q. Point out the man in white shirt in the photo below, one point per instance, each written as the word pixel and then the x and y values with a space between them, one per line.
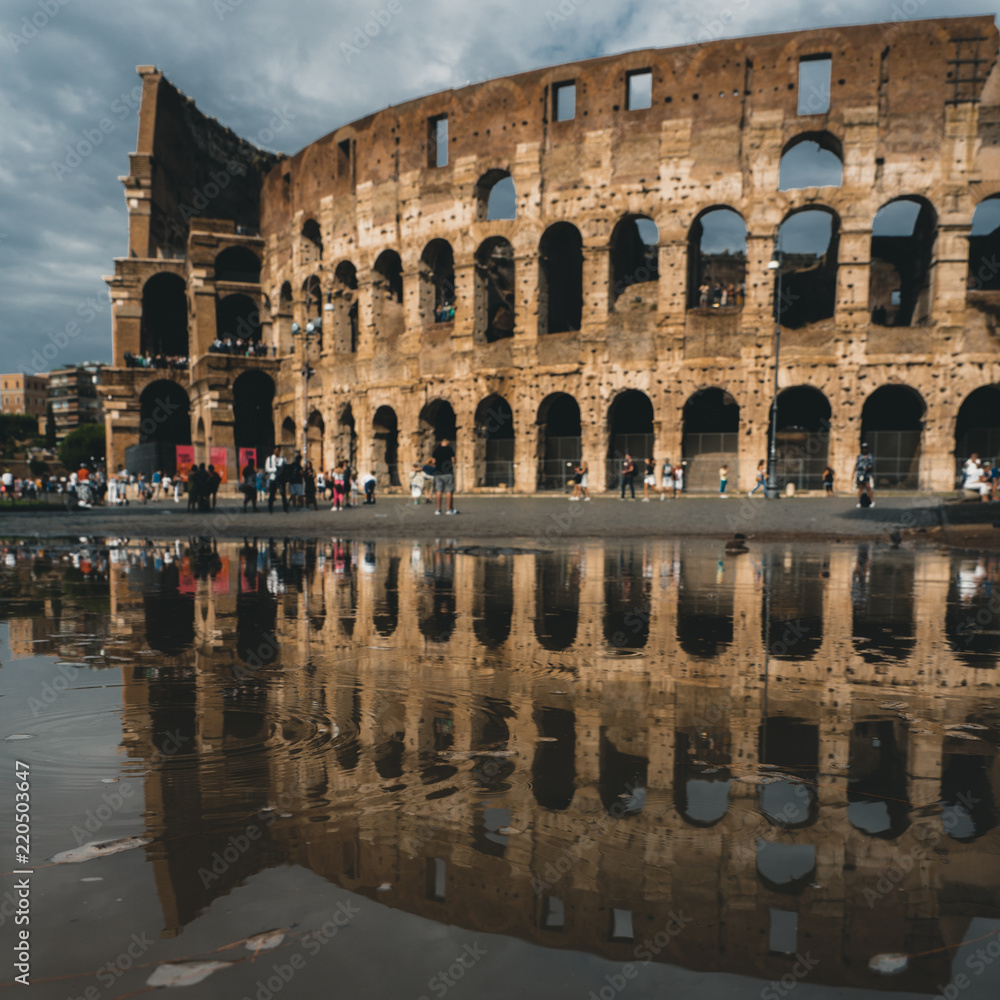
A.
pixel 274 466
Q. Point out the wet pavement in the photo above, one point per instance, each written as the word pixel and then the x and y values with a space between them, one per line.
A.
pixel 648 767
pixel 544 520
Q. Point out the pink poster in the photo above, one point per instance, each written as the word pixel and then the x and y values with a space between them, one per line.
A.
pixel 185 459
pixel 245 455
pixel 219 457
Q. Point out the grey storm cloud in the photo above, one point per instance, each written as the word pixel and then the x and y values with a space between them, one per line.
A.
pixel 68 101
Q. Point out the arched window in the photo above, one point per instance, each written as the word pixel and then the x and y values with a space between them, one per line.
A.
pixel 899 289
pixel 814 159
pixel 165 418
pixel 385 429
pixel 630 432
pixel 984 246
pixel 312 244
pixel 315 430
pixel 496 196
pixel 560 279
pixel 237 317
pixel 346 440
pixel 808 241
pixel 711 438
pixel 345 307
pixel 717 260
pixel 238 264
pixel 387 294
pixel 977 426
pixel 437 282
pixel 803 437
pixel 495 290
pixel 633 254
pixel 164 327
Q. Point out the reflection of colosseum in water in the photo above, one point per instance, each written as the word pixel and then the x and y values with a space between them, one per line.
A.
pixel 573 262
pixel 563 764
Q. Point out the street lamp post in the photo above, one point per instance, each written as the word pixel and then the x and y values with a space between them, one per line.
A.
pixel 771 489
pixel 313 331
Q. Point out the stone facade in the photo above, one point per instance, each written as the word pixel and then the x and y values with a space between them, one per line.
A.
pixel 575 333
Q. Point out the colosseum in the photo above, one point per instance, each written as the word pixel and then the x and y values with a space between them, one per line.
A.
pixel 627 254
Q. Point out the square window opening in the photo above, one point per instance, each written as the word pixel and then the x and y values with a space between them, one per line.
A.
pixel 436 883
pixel 553 914
pixel 814 84
pixel 564 101
pixel 638 90
pixel 784 936
pixel 437 141
pixel 621 925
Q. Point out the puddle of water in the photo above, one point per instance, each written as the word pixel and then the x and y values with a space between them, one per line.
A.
pixel 503 771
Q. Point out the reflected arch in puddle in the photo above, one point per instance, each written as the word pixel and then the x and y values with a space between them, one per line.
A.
pixel 883 626
pixel 877 801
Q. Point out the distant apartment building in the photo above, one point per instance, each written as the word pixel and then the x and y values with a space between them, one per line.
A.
pixel 25 394
pixel 74 399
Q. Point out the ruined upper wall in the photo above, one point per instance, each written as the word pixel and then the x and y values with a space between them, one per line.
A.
pixel 185 165
pixel 724 109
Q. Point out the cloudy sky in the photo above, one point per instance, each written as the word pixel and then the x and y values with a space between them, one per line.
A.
pixel 67 64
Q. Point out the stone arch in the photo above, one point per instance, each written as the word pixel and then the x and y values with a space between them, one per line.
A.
pixel 892 423
pixel 559 440
pixel 495 196
pixel 633 254
pixel 701 790
pixel 793 745
pixel 437 282
pixel 809 240
pixel 345 307
pixel 282 326
pixel 793 602
pixel 164 422
pixel 495 305
pixel 237 316
pixel 560 279
pixel 387 294
pixel 253 414
pixel 711 431
pixel 557 601
pixel 238 264
pixel 977 425
pixel 385 429
pixel 553 771
pixel 164 326
pixel 902 259
pixel 436 422
pixel 315 433
pixel 811 159
pixel 630 431
pixel 288 438
pixel 717 259
pixel 493 454
pixel 803 437
pixel 984 246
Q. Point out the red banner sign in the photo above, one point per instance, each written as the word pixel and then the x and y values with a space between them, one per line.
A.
pixel 219 457
pixel 185 459
pixel 245 455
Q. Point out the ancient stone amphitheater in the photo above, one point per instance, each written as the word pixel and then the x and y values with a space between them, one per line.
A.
pixel 582 261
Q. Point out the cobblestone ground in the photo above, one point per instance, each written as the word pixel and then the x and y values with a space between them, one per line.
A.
pixel 543 520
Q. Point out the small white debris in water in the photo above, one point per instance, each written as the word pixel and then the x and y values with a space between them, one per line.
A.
pixel 509 831
pixel 384 887
pixel 109 781
pixel 547 739
pixel 99 849
pixel 19 736
pixel 889 963
pixel 265 941
pixel 93 878
pixel 184 973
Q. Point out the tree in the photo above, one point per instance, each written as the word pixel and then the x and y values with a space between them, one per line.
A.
pixel 81 445
pixel 17 427
pixel 50 428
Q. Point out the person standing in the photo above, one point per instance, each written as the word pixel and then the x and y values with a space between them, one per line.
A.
pixel 417 478
pixel 309 483
pixel 678 479
pixel 296 482
pixel 368 483
pixel 337 478
pixel 274 467
pixel 666 478
pixel 761 478
pixel 444 475
pixel 828 481
pixel 628 476
pixel 249 484
pixel 864 473
pixel 214 482
pixel 648 478
pixel 723 480
pixel 157 483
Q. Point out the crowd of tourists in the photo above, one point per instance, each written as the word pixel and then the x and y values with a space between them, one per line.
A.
pixel 718 296
pixel 147 360
pixel 237 345
pixel 982 478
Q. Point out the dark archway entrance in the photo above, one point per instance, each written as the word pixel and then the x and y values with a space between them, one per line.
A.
pixel 237 317
pixel 977 428
pixel 165 422
pixel 437 422
pixel 711 439
pixel 347 440
pixel 803 437
pixel 560 279
pixel 892 422
pixel 386 432
pixel 253 417
pixel 559 440
pixel 494 443
pixel 630 431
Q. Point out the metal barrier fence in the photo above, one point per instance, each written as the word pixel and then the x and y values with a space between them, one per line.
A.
pixel 498 472
pixel 705 454
pixel 897 457
pixel 562 455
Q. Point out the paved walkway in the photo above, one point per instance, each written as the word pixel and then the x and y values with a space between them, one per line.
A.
pixel 541 519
